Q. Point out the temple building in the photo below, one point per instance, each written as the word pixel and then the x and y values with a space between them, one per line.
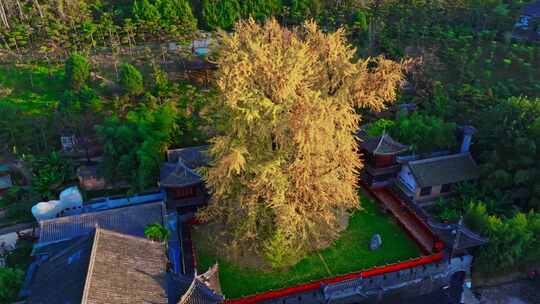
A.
pixel 428 179
pixel 380 159
pixel 183 185
pixel 109 267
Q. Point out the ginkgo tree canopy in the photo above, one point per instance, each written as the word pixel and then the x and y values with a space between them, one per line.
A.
pixel 284 175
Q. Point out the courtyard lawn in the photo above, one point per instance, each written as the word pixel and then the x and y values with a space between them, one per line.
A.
pixel 350 253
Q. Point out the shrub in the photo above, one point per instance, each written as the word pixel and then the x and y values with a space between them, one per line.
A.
pixel 10 281
pixel 156 232
pixel 476 217
pixel 77 71
pixel 131 80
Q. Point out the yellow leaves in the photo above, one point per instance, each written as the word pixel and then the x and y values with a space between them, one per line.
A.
pixel 234 161
pixel 376 83
pixel 286 162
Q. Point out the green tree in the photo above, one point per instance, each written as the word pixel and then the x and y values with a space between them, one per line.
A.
pixel 424 133
pixel 509 138
pixel 260 9
pixel 50 173
pixel 156 232
pixel 147 14
pixel 285 159
pixel 77 71
pixel 10 282
pixel 220 13
pixel 131 80
pixel 177 16
pixel 134 146
pixel 476 217
pixel 300 10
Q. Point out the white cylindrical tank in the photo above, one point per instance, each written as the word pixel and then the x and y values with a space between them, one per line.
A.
pixel 71 198
pixel 46 210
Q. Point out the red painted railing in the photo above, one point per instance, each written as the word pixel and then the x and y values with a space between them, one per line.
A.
pixel 274 294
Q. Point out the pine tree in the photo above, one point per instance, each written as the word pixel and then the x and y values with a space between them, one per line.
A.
pixel 285 165
pixel 131 80
pixel 77 71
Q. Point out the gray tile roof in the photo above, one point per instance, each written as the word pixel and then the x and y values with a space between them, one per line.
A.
pixel 199 293
pixel 444 170
pixel 192 157
pixel 129 220
pixel 125 269
pixel 457 236
pixel 178 175
pixel 60 279
pixel 201 289
pixel 383 145
pixel 105 267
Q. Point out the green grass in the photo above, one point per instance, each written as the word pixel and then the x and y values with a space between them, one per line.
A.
pixel 348 254
pixel 34 89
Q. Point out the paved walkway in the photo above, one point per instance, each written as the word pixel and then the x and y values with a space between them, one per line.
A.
pixel 424 237
pixel 17 227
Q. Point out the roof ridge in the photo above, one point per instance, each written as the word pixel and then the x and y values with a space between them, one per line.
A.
pixel 79 242
pixel 437 158
pixel 86 214
pixel 91 265
pixel 126 236
pixel 381 139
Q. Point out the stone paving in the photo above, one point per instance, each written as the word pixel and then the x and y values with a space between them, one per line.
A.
pixel 405 217
pixel 519 292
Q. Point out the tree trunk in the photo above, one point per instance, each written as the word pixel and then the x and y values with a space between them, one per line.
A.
pixel 3 15
pixel 21 14
pixel 36 3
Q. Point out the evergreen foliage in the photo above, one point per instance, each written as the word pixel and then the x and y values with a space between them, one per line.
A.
pixel 10 281
pixel 156 232
pixel 423 133
pixel 49 174
pixel 77 71
pixel 134 146
pixel 220 13
pixel 131 80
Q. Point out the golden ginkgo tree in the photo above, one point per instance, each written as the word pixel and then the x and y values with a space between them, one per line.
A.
pixel 285 163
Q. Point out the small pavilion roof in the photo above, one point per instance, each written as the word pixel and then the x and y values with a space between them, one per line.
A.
pixel 204 289
pixel 178 175
pixel 192 157
pixel 442 170
pixel 457 235
pixel 383 145
pixel 198 289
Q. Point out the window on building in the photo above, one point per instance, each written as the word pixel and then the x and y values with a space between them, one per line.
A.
pixel 425 191
pixel 446 188
pixel 184 192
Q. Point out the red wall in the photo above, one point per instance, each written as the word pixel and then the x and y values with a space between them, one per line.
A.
pixel 318 284
pixel 382 161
